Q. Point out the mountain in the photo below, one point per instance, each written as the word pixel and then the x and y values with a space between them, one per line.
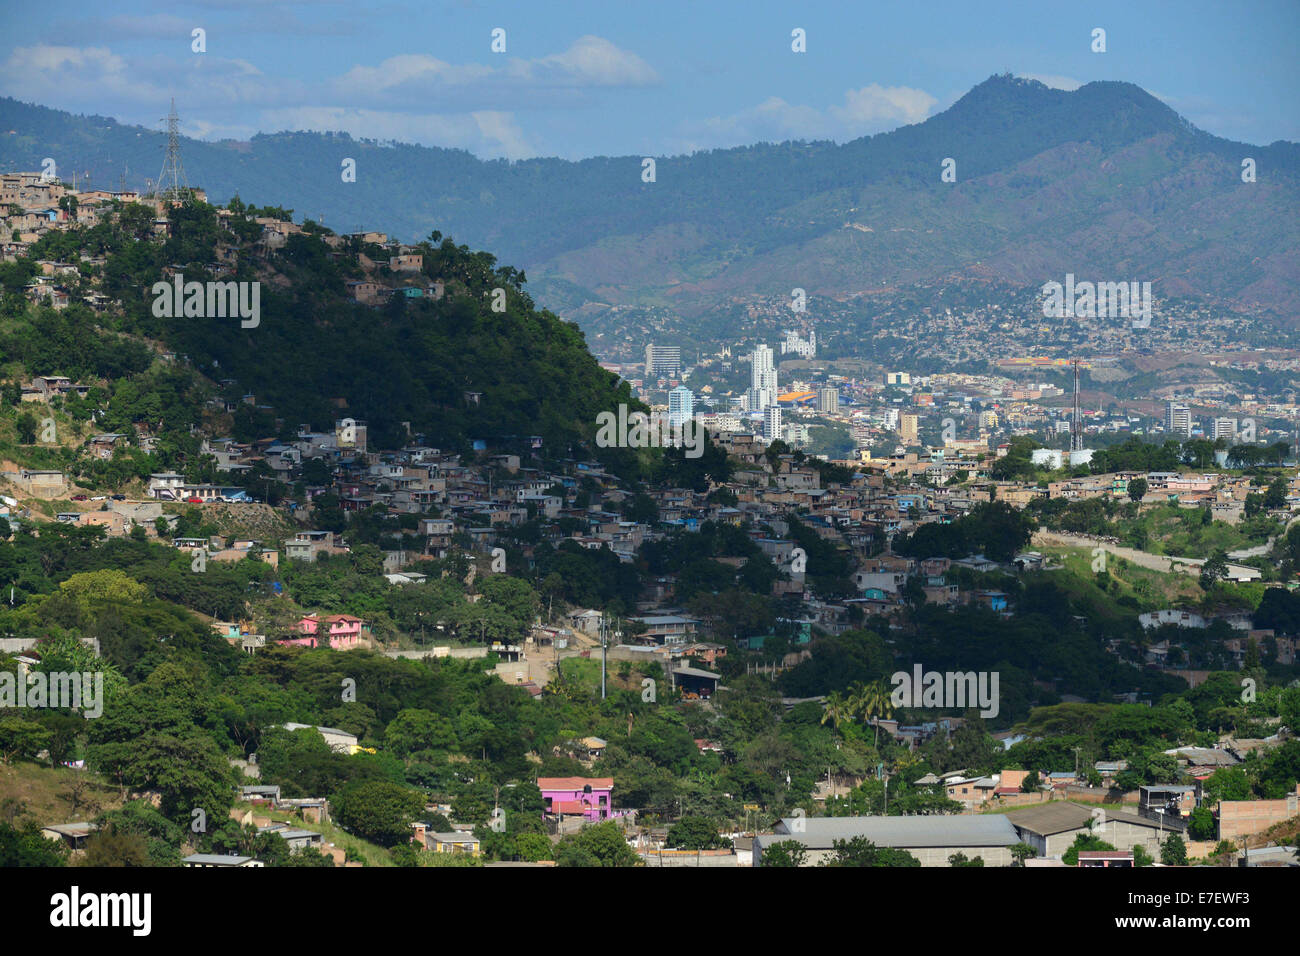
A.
pixel 1106 182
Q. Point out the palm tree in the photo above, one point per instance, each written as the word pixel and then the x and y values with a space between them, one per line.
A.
pixel 874 700
pixel 837 710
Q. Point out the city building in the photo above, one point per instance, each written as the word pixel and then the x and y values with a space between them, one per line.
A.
pixel 772 422
pixel 1178 419
pixel 908 428
pixel 681 406
pixel 762 391
pixel 828 399
pixel 663 361
pixel 1223 428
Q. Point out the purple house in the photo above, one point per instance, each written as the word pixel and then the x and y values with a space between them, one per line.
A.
pixel 588 797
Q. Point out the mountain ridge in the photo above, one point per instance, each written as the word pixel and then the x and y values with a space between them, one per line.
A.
pixel 1105 178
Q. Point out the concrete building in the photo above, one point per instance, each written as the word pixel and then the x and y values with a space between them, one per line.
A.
pixel 908 428
pixel 663 361
pixel 763 388
pixel 681 406
pixel 772 422
pixel 1178 419
pixel 931 839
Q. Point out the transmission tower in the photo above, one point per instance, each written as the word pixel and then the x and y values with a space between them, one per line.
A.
pixel 1076 425
pixel 172 184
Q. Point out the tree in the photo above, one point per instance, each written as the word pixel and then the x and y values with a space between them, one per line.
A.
pixel 1201 825
pixel 872 700
pixel 695 833
pixel 601 844
pixel 1021 852
pixel 1173 852
pixel 533 847
pixel 1214 570
pixel 378 811
pixel 1137 489
pixel 837 710
pixel 785 853
pixel 860 851
pixel 960 860
pixel 1031 783
pixel 20 737
pixel 26 424
pixel 28 847
pixel 107 847
pixel 1083 842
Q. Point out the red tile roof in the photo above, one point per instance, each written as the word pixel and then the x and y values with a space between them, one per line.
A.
pixel 575 783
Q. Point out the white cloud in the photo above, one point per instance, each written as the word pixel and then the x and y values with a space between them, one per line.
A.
pixel 869 109
pixel 594 61
pixel 484 132
pixel 410 97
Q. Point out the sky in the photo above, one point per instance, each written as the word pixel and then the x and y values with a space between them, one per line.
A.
pixel 618 77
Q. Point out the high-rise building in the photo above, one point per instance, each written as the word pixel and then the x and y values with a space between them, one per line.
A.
pixel 762 391
pixel 681 406
pixel 828 399
pixel 1223 428
pixel 772 422
pixel 1178 419
pixel 908 427
pixel 663 361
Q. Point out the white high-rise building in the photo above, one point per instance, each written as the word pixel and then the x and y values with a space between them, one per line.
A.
pixel 772 422
pixel 1224 428
pixel 1178 419
pixel 762 391
pixel 681 406
pixel 828 399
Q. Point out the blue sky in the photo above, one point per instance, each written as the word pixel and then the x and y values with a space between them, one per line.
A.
pixel 615 78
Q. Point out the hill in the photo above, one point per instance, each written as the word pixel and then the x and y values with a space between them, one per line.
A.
pixel 457 351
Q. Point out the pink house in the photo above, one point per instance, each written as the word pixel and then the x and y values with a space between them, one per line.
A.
pixel 572 796
pixel 344 630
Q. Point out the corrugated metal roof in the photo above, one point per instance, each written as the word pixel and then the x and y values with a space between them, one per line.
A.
pixel 921 831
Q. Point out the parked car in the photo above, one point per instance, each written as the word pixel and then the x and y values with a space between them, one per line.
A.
pixel 194 501
pixel 119 497
pixel 81 497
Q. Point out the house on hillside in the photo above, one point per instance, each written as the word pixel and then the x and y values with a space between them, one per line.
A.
pixel 344 631
pixel 587 797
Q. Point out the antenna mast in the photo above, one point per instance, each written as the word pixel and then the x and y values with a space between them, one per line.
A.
pixel 172 184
